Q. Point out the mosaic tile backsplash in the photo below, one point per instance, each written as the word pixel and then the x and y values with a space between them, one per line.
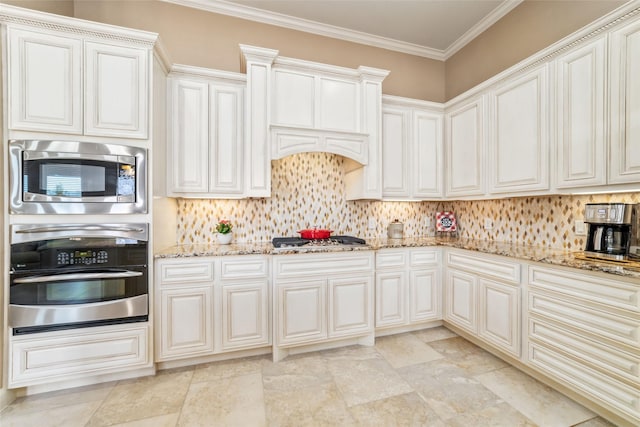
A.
pixel 308 190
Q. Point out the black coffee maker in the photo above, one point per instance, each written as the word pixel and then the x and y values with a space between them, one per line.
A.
pixel 610 229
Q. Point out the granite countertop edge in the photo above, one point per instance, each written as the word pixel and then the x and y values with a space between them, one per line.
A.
pixel 532 253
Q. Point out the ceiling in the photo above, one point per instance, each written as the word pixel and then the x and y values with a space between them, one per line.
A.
pixel 429 28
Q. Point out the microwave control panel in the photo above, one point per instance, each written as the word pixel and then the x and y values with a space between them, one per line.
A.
pixel 82 257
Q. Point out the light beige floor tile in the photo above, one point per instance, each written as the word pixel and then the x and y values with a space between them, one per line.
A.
pixel 296 372
pixel 316 405
pixel 467 356
pixel 354 352
pixel 405 349
pixel 169 420
pixel 366 379
pixel 500 415
pixel 141 398
pixel 229 368
pixel 434 334
pixel 403 410
pixel 63 416
pixel 447 389
pixel 234 401
pixel 541 404
pixel 595 422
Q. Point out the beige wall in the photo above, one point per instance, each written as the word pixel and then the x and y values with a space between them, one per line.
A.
pixel 196 37
pixel 59 7
pixel 527 29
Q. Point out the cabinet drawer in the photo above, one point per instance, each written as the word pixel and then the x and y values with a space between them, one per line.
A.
pixel 424 257
pixel 607 325
pixel 81 352
pixel 592 288
pixel 244 267
pixel 598 386
pixel 391 259
pixel 187 271
pixel 592 352
pixel 310 265
pixel 490 267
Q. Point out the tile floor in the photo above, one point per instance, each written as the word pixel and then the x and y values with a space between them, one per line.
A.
pixel 425 378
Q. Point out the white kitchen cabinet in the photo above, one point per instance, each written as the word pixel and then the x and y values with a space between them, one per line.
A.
pixel 184 307
pixel 412 149
pixel 64 83
pixel 584 332
pixel 77 354
pixel 519 133
pixel 465 148
pixel 580 116
pixel 408 289
pixel 322 297
pixel 624 67
pixel 206 136
pixel 483 297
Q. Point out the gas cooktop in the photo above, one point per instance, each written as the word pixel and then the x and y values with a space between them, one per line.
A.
pixel 297 242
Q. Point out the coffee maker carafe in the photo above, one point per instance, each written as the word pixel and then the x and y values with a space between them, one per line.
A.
pixel 610 229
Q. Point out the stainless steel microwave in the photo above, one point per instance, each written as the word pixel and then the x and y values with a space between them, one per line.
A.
pixel 70 177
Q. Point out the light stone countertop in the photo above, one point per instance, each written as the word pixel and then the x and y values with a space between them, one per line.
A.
pixel 520 252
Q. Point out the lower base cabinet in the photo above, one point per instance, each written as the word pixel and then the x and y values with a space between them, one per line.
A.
pixel 77 353
pixel 245 315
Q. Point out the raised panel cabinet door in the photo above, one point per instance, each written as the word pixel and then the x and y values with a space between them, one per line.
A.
pixel 44 82
pixel 245 315
pixel 186 317
pixel 189 137
pixel 395 155
pixel 116 94
pixel 293 99
pixel 466 149
pixel 499 319
pixel 226 109
pixel 580 117
pixel 338 104
pixel 391 291
pixel 461 300
pixel 424 295
pixel 350 305
pixel 624 163
pixel 302 311
pixel 519 138
pixel 426 154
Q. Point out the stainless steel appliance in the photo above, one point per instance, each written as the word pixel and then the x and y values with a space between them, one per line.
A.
pixel 77 275
pixel 610 230
pixel 297 243
pixel 67 177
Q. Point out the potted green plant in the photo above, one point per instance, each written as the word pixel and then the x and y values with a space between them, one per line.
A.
pixel 224 229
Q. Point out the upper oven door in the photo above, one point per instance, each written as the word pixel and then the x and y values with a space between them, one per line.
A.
pixel 76 177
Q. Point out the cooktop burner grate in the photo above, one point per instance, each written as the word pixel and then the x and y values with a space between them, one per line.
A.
pixel 293 242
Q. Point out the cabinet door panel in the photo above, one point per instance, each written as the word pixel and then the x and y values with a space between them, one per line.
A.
pixel 301 312
pixel 189 162
pixel 625 104
pixel 390 298
pixel 465 150
pixel 350 305
pixel 461 300
pixel 395 137
pixel 424 295
pixel 500 318
pixel 116 93
pixel 293 99
pixel 580 76
pixel 226 121
pixel 520 137
pixel 427 155
pixel 338 104
pixel 45 82
pixel 245 315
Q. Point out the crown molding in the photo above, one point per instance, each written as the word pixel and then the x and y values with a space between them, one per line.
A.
pixel 504 8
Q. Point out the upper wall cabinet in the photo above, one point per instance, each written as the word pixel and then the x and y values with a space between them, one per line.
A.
pixel 625 104
pixel 518 133
pixel 205 133
pixel 412 145
pixel 465 149
pixel 580 116
pixel 62 82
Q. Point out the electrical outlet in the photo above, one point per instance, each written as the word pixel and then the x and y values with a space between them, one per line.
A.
pixel 580 227
pixel 488 224
pixel 372 223
pixel 427 221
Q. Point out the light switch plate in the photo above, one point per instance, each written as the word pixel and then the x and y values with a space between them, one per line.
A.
pixel 488 224
pixel 580 227
pixel 372 223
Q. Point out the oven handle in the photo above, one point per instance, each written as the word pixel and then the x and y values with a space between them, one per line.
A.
pixel 77 276
pixel 54 228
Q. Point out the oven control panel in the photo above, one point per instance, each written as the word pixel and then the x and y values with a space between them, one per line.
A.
pixel 82 257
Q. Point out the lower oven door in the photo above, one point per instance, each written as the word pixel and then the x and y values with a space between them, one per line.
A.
pixel 71 299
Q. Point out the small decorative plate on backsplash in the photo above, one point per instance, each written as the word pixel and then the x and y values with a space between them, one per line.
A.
pixel 446 221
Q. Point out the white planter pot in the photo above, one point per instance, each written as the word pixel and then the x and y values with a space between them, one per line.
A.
pixel 225 239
